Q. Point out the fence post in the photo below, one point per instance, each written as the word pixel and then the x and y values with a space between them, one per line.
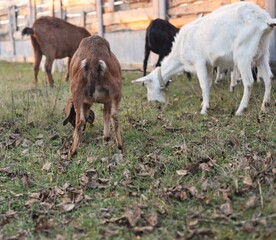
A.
pixel 35 12
pixel 84 14
pixel 11 28
pixel 53 8
pixel 159 9
pixel 163 9
pixel 100 17
pixel 30 13
pixel 61 12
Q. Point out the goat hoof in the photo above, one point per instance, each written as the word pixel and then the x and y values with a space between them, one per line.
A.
pixel 266 104
pixel 71 154
pixel 107 139
pixel 240 112
pixel 204 111
pixel 121 148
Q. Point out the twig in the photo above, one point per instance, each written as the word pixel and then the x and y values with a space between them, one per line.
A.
pixel 13 111
pixel 28 106
pixel 261 193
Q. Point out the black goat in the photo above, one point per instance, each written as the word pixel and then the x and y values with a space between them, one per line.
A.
pixel 159 38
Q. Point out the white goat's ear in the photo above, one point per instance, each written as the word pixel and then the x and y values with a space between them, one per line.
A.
pixel 102 66
pixel 84 67
pixel 141 80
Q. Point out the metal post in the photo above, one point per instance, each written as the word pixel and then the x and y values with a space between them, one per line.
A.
pixel 53 8
pixel 163 9
pixel 100 17
pixel 35 12
pixel 61 12
pixel 84 14
pixel 30 13
pixel 11 28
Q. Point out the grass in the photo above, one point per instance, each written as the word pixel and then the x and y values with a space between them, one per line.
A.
pixel 182 175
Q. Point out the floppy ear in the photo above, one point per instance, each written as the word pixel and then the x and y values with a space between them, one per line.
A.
pixel 84 67
pixel 70 113
pixel 141 80
pixel 102 67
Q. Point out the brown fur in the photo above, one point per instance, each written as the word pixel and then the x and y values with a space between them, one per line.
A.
pixel 54 38
pixel 92 82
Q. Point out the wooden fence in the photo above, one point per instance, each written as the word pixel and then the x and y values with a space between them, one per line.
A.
pixel 117 15
pixel 103 16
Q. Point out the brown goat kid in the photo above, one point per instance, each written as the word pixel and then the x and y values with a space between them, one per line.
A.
pixel 95 77
pixel 54 38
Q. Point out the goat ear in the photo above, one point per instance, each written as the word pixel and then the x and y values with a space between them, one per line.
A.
pixel 102 66
pixel 84 67
pixel 141 80
pixel 70 113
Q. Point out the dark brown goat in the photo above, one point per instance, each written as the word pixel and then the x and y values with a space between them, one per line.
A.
pixel 54 38
pixel 95 77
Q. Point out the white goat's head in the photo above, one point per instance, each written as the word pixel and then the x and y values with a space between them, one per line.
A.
pixel 155 86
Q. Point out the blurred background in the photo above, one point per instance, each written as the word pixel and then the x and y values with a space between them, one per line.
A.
pixel 121 22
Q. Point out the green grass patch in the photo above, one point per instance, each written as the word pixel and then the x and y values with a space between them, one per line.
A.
pixel 182 175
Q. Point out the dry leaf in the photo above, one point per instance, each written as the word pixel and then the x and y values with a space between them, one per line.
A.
pixel 193 223
pixel 182 172
pixel 10 213
pixel 58 191
pixel 84 179
pixel 47 166
pixel 133 216
pixel 91 159
pixel 39 142
pixel 26 181
pixel 31 201
pixel 153 219
pixel 247 181
pixel 34 195
pixel 183 196
pixel 205 185
pixel 44 224
pixel 68 207
pixel 142 229
pixel 226 208
pixel 250 202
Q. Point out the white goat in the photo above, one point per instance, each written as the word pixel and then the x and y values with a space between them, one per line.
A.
pixel 235 35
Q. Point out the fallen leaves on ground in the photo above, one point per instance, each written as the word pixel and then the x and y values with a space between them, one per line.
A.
pixel 136 219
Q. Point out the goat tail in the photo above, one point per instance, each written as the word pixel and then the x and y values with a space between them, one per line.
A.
pixel 27 31
pixel 272 22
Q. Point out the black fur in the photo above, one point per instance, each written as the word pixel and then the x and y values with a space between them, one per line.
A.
pixel 27 31
pixel 159 38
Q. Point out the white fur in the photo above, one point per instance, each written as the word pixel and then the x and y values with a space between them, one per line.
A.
pixel 235 35
pixel 59 65
pixel 103 66
pixel 83 63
